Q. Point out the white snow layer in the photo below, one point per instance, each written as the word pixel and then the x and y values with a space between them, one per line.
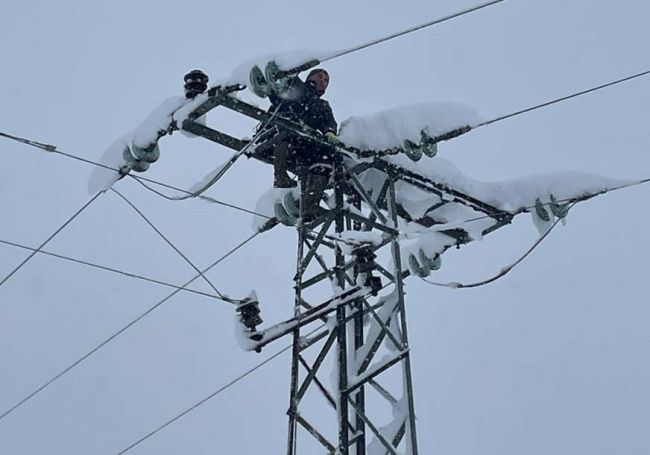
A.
pixel 388 129
pixel 266 205
pixel 510 195
pixel 285 60
pixel 101 179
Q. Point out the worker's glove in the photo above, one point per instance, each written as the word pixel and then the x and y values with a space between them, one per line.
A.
pixel 332 138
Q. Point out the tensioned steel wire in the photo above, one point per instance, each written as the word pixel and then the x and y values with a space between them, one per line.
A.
pixel 174 247
pixel 505 270
pixel 122 330
pixel 141 180
pixel 227 385
pixel 53 149
pixel 409 30
pixel 49 239
pixel 105 268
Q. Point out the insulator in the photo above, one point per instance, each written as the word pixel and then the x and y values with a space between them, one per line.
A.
pixel 150 154
pixel 258 82
pixel 291 205
pixel 560 211
pixel 541 211
pixel 428 144
pixel 374 283
pixel 365 259
pixel 415 266
pixel 196 82
pixel 249 313
pixel 275 78
pixel 412 150
pixel 132 162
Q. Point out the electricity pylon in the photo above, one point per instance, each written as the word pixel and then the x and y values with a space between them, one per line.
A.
pixel 352 254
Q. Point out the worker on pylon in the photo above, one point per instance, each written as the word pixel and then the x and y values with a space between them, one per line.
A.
pixel 302 102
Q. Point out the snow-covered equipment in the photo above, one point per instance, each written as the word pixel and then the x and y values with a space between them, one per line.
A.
pixel 422 265
pixel 365 266
pixel 258 83
pixel 383 214
pixel 248 315
pixel 274 78
pixel 196 82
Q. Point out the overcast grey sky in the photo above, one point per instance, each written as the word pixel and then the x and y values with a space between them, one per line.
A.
pixel 550 359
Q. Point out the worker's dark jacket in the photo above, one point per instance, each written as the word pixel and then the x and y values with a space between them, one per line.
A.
pixel 302 104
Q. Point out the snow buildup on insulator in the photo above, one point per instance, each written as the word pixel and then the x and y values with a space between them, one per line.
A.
pixel 389 129
pixel 285 60
pixel 265 206
pixel 511 195
pixel 416 240
pixel 101 179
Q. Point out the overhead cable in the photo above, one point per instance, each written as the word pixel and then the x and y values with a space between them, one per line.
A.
pixel 54 234
pixel 583 198
pixel 174 247
pixel 122 330
pixel 106 268
pixel 563 98
pixel 207 398
pixel 140 179
pixel 230 384
pixel 409 30
pixel 505 270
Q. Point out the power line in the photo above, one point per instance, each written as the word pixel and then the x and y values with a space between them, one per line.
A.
pixel 54 149
pixel 141 180
pixel 171 244
pixel 46 147
pixel 106 268
pixel 200 196
pixel 227 386
pixel 54 234
pixel 209 397
pixel 563 98
pixel 505 270
pixel 122 330
pixel 598 193
pixel 164 185
pixel 410 30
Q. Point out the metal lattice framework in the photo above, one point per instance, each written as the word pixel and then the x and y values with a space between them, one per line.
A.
pixel 366 340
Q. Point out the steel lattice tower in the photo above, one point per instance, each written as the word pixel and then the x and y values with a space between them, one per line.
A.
pixel 361 332
pixel 352 345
